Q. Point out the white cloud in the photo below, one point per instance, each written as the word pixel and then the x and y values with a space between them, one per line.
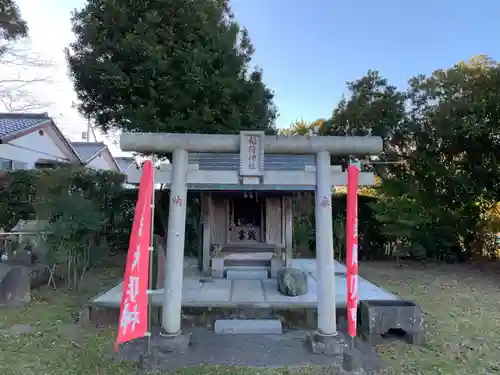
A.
pixel 50 32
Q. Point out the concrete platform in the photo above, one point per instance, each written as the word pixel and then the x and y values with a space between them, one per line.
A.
pixel 225 293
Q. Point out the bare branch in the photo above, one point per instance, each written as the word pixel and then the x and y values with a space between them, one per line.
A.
pixel 21 72
pixel 21 54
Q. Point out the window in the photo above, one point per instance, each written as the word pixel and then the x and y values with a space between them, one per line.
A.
pixel 5 164
pixel 19 165
pixel 9 165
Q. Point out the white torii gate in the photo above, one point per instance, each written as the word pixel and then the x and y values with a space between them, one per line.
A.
pixel 252 146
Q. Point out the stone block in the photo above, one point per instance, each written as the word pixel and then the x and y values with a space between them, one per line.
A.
pixel 352 360
pixel 15 281
pixel 377 318
pixel 248 326
pixel 292 282
pixel 326 345
pixel 247 273
pixel 163 348
pixel 217 271
pixel 178 344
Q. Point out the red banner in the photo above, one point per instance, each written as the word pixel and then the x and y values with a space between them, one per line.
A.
pixel 352 247
pixel 134 305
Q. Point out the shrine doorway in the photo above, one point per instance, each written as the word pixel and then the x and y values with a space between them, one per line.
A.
pixel 246 218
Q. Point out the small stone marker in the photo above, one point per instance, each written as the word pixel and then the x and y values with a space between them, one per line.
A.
pixel 248 326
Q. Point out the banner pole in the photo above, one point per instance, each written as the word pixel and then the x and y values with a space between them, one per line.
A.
pixel 352 247
pixel 151 254
pixel 134 300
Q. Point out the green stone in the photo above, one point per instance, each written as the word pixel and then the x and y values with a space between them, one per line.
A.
pixel 292 282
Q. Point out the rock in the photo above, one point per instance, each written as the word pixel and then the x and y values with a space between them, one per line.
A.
pixel 72 332
pixel 14 284
pixel 18 330
pixel 40 250
pixel 292 282
pixel 39 274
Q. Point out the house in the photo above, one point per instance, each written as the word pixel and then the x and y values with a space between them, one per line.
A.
pixel 125 162
pixel 96 155
pixel 32 140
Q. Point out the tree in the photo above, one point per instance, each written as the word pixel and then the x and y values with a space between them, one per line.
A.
pixel 454 119
pixel 12 26
pixel 167 65
pixel 301 127
pixel 441 143
pixel 21 69
pixel 298 127
pixel 22 72
pixel 374 107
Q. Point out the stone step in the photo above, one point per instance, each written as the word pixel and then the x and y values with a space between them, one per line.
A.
pixel 248 326
pixel 247 273
pixel 246 248
pixel 246 259
pixel 246 263
pixel 249 255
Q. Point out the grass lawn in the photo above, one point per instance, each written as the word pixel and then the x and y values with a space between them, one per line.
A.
pixel 462 315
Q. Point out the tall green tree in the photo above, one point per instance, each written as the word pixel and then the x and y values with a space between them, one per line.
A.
pixel 372 107
pixel 12 25
pixel 441 144
pixel 453 119
pixel 167 65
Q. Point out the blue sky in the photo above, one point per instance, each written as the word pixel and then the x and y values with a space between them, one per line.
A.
pixel 308 49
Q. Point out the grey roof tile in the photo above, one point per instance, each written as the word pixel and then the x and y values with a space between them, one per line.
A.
pixel 11 123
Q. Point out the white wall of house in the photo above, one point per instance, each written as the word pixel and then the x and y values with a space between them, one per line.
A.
pixel 103 161
pixel 125 172
pixel 30 148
